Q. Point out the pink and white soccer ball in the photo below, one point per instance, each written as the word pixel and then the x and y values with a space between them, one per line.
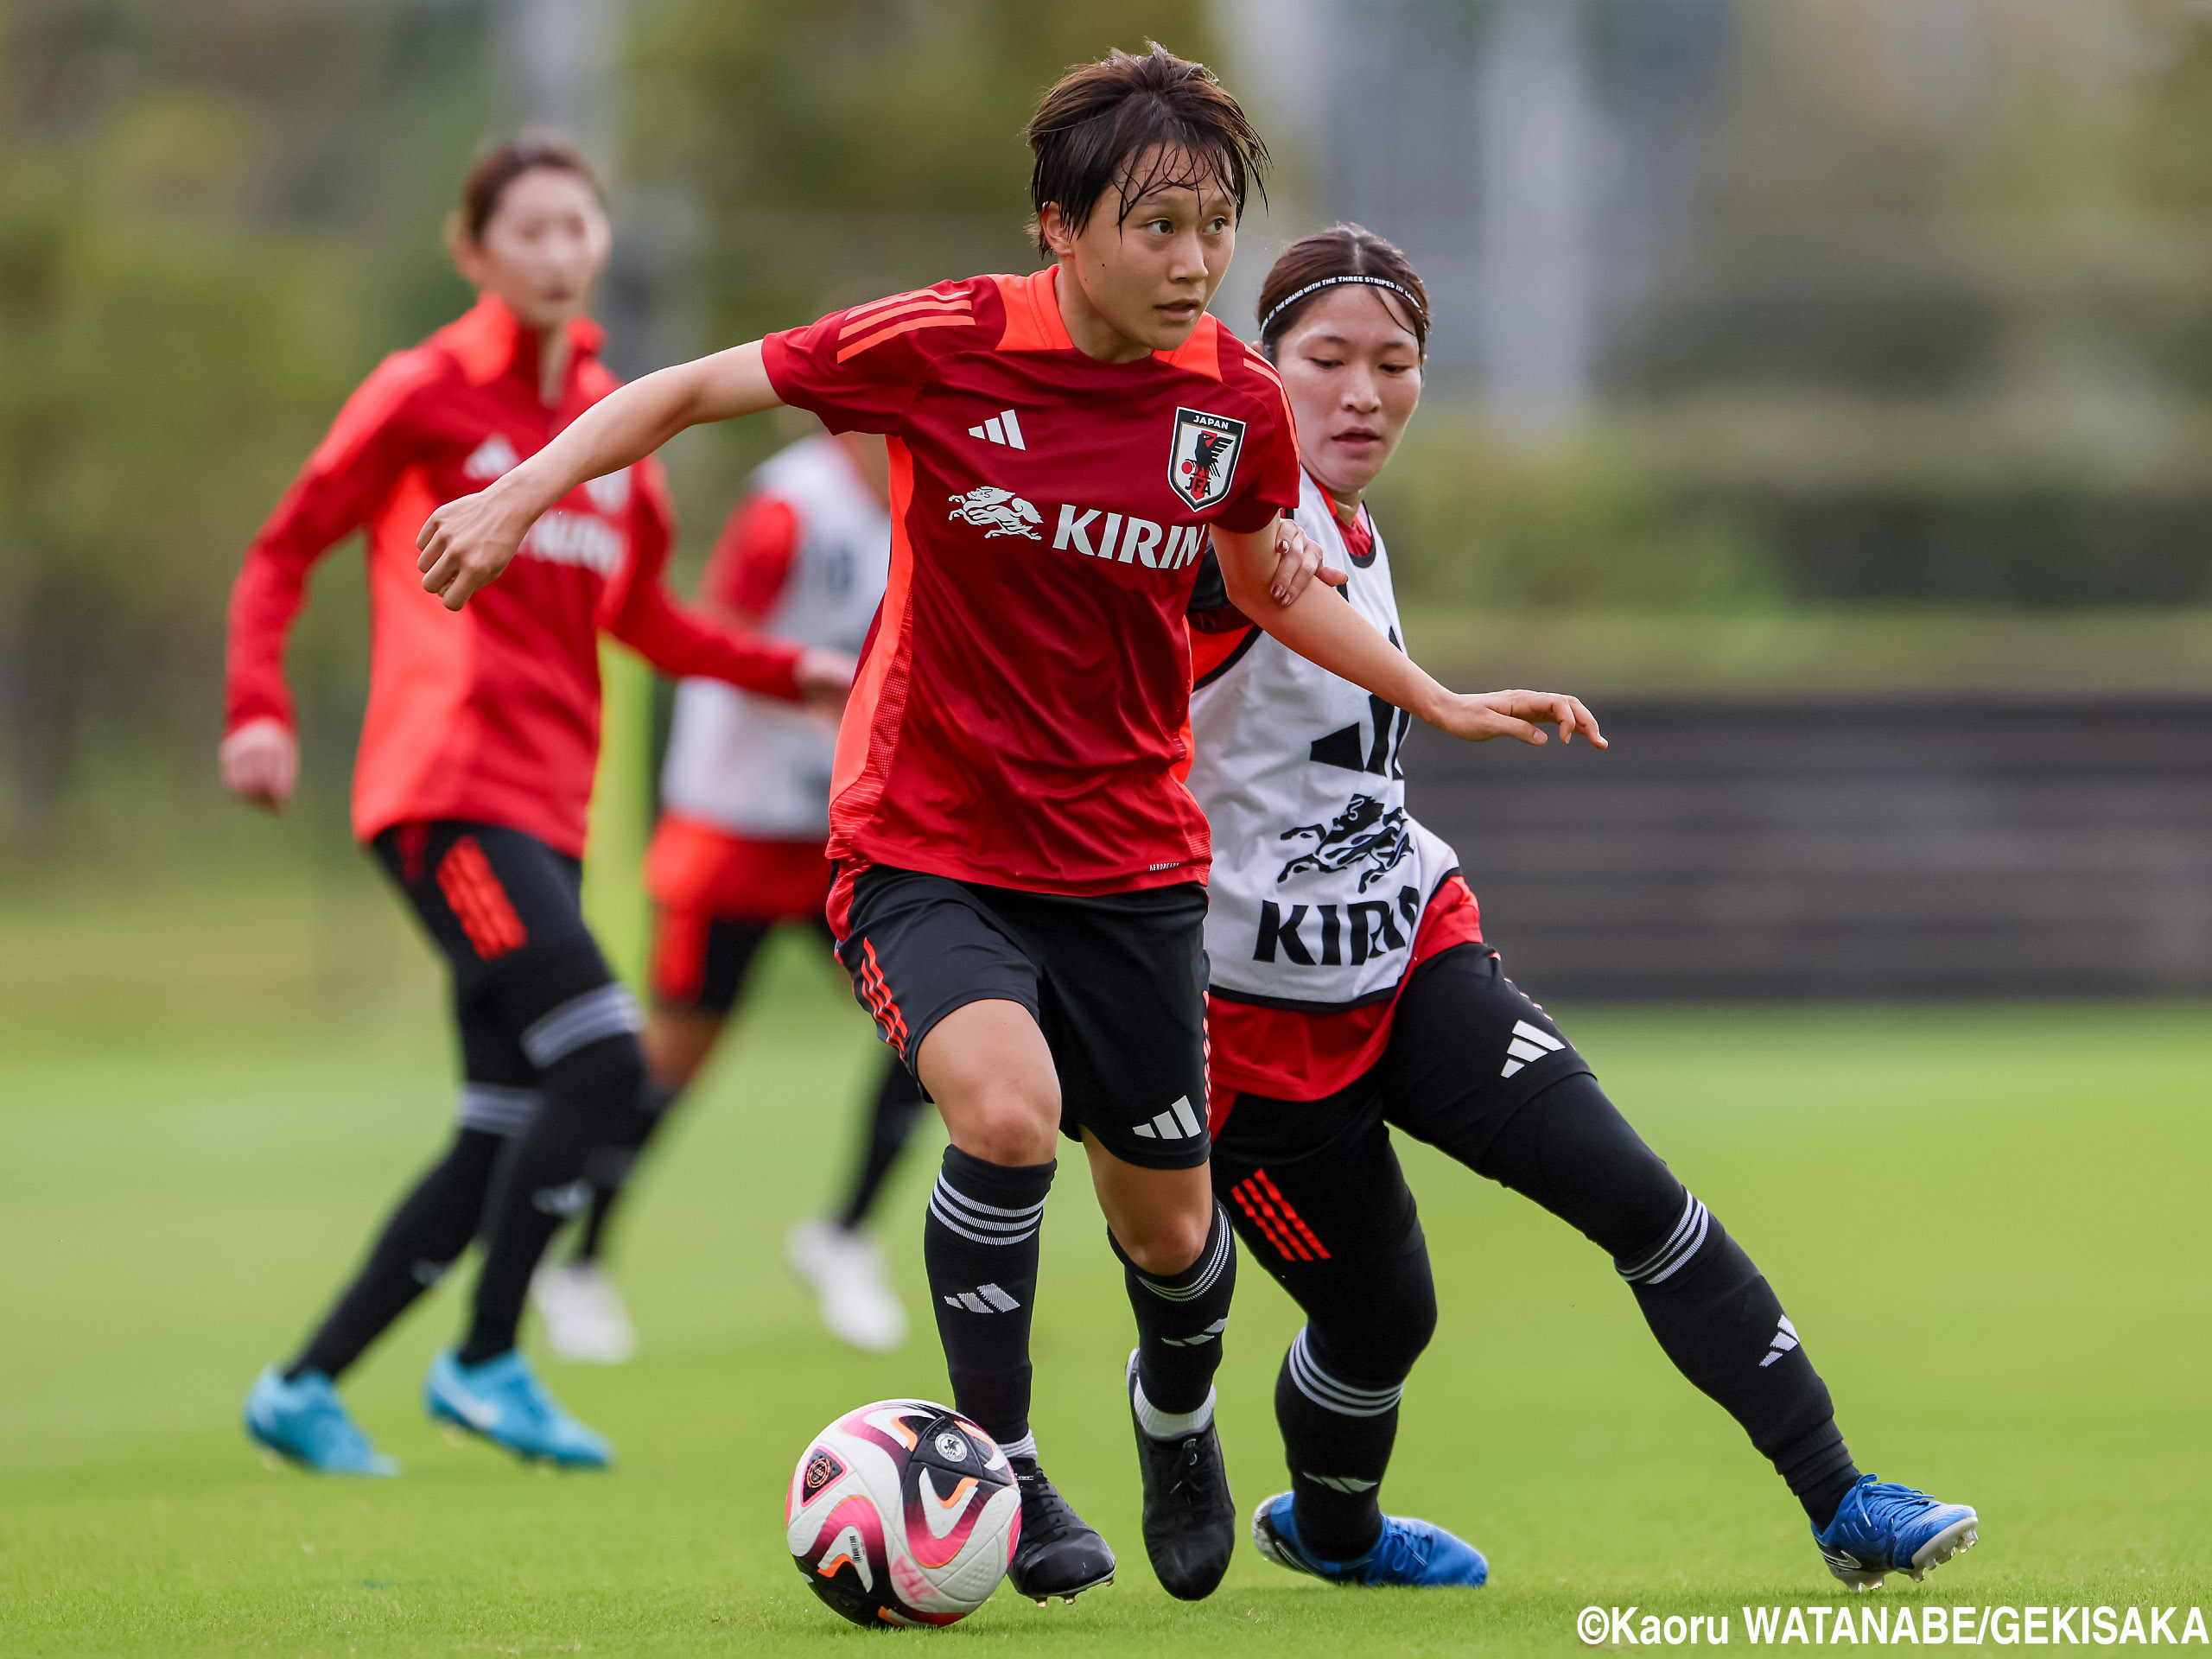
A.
pixel 903 1512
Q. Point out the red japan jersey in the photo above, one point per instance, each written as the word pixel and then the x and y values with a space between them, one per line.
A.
pixel 1021 716
pixel 490 713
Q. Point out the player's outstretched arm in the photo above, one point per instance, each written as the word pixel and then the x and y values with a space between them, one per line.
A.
pixel 1321 628
pixel 468 543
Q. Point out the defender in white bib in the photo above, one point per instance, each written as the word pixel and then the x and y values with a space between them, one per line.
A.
pixel 1320 877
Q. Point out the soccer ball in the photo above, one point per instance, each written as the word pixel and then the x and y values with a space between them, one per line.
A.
pixel 903 1512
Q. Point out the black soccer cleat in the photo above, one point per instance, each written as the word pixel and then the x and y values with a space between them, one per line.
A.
pixel 1190 1519
pixel 1058 1554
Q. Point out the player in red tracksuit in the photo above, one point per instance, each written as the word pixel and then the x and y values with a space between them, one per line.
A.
pixel 1020 896
pixel 474 770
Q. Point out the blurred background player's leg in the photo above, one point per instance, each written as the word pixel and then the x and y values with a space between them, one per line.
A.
pixel 499 905
pixel 700 966
pixel 503 906
pixel 836 1255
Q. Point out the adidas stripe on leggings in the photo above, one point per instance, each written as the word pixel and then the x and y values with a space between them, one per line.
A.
pixel 1478 1070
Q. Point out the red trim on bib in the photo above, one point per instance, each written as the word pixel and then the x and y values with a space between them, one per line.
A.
pixel 1287 1055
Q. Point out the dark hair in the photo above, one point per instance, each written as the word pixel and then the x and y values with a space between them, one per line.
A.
pixel 502 164
pixel 1342 255
pixel 1097 120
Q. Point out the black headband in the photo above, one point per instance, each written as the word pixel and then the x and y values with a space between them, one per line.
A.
pixel 1284 304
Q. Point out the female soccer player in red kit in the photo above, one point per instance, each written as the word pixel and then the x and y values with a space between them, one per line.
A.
pixel 1020 896
pixel 474 771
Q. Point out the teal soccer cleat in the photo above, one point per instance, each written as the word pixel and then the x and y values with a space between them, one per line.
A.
pixel 504 1401
pixel 1883 1528
pixel 1411 1553
pixel 305 1422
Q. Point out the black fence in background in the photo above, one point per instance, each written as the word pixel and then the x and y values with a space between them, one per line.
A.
pixel 1931 848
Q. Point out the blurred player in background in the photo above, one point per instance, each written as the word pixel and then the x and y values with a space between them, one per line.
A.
pixel 745 794
pixel 1019 894
pixel 474 770
pixel 1352 993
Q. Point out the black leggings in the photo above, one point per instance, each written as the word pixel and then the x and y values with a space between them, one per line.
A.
pixel 553 1091
pixel 1480 1071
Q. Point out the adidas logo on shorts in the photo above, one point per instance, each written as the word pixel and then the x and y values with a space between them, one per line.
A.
pixel 1178 1123
pixel 1528 1044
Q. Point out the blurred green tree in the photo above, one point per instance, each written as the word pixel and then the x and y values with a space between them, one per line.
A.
pixel 197 259
pixel 850 148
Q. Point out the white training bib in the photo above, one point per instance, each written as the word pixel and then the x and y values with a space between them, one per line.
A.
pixel 1320 877
pixel 756 766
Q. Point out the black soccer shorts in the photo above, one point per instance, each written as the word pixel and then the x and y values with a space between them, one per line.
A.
pixel 1116 984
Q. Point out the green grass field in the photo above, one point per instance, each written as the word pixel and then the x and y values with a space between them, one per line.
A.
pixel 1990 1226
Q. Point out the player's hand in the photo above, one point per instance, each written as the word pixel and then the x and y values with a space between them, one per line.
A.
pixel 824 678
pixel 1479 717
pixel 1298 562
pixel 466 543
pixel 260 763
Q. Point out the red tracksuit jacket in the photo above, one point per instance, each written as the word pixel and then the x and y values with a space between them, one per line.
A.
pixel 491 713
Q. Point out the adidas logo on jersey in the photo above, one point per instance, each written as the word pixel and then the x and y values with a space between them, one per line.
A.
pixel 1178 1123
pixel 1528 1044
pixel 984 1299
pixel 494 458
pixel 1003 427
pixel 1784 1340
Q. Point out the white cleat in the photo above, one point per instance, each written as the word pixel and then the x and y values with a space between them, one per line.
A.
pixel 845 1270
pixel 585 1320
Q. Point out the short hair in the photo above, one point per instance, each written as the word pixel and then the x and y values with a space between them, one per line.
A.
pixel 1343 254
pixel 501 164
pixel 1097 119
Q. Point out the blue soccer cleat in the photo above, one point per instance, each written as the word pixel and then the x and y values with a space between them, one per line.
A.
pixel 305 1422
pixel 1883 1528
pixel 504 1401
pixel 1410 1552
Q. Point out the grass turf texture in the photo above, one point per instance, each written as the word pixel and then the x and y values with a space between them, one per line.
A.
pixel 1989 1224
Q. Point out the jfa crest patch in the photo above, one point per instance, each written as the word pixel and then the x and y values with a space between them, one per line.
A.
pixel 1203 458
pixel 821 1469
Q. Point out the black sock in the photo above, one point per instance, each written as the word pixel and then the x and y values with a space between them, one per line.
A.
pixel 610 1175
pixel 584 1133
pixel 1723 1327
pixel 979 1244
pixel 1337 1432
pixel 1180 1319
pixel 897 1103
pixel 431 1227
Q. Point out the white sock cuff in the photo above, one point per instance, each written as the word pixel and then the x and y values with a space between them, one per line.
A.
pixel 1023 1447
pixel 1170 1425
